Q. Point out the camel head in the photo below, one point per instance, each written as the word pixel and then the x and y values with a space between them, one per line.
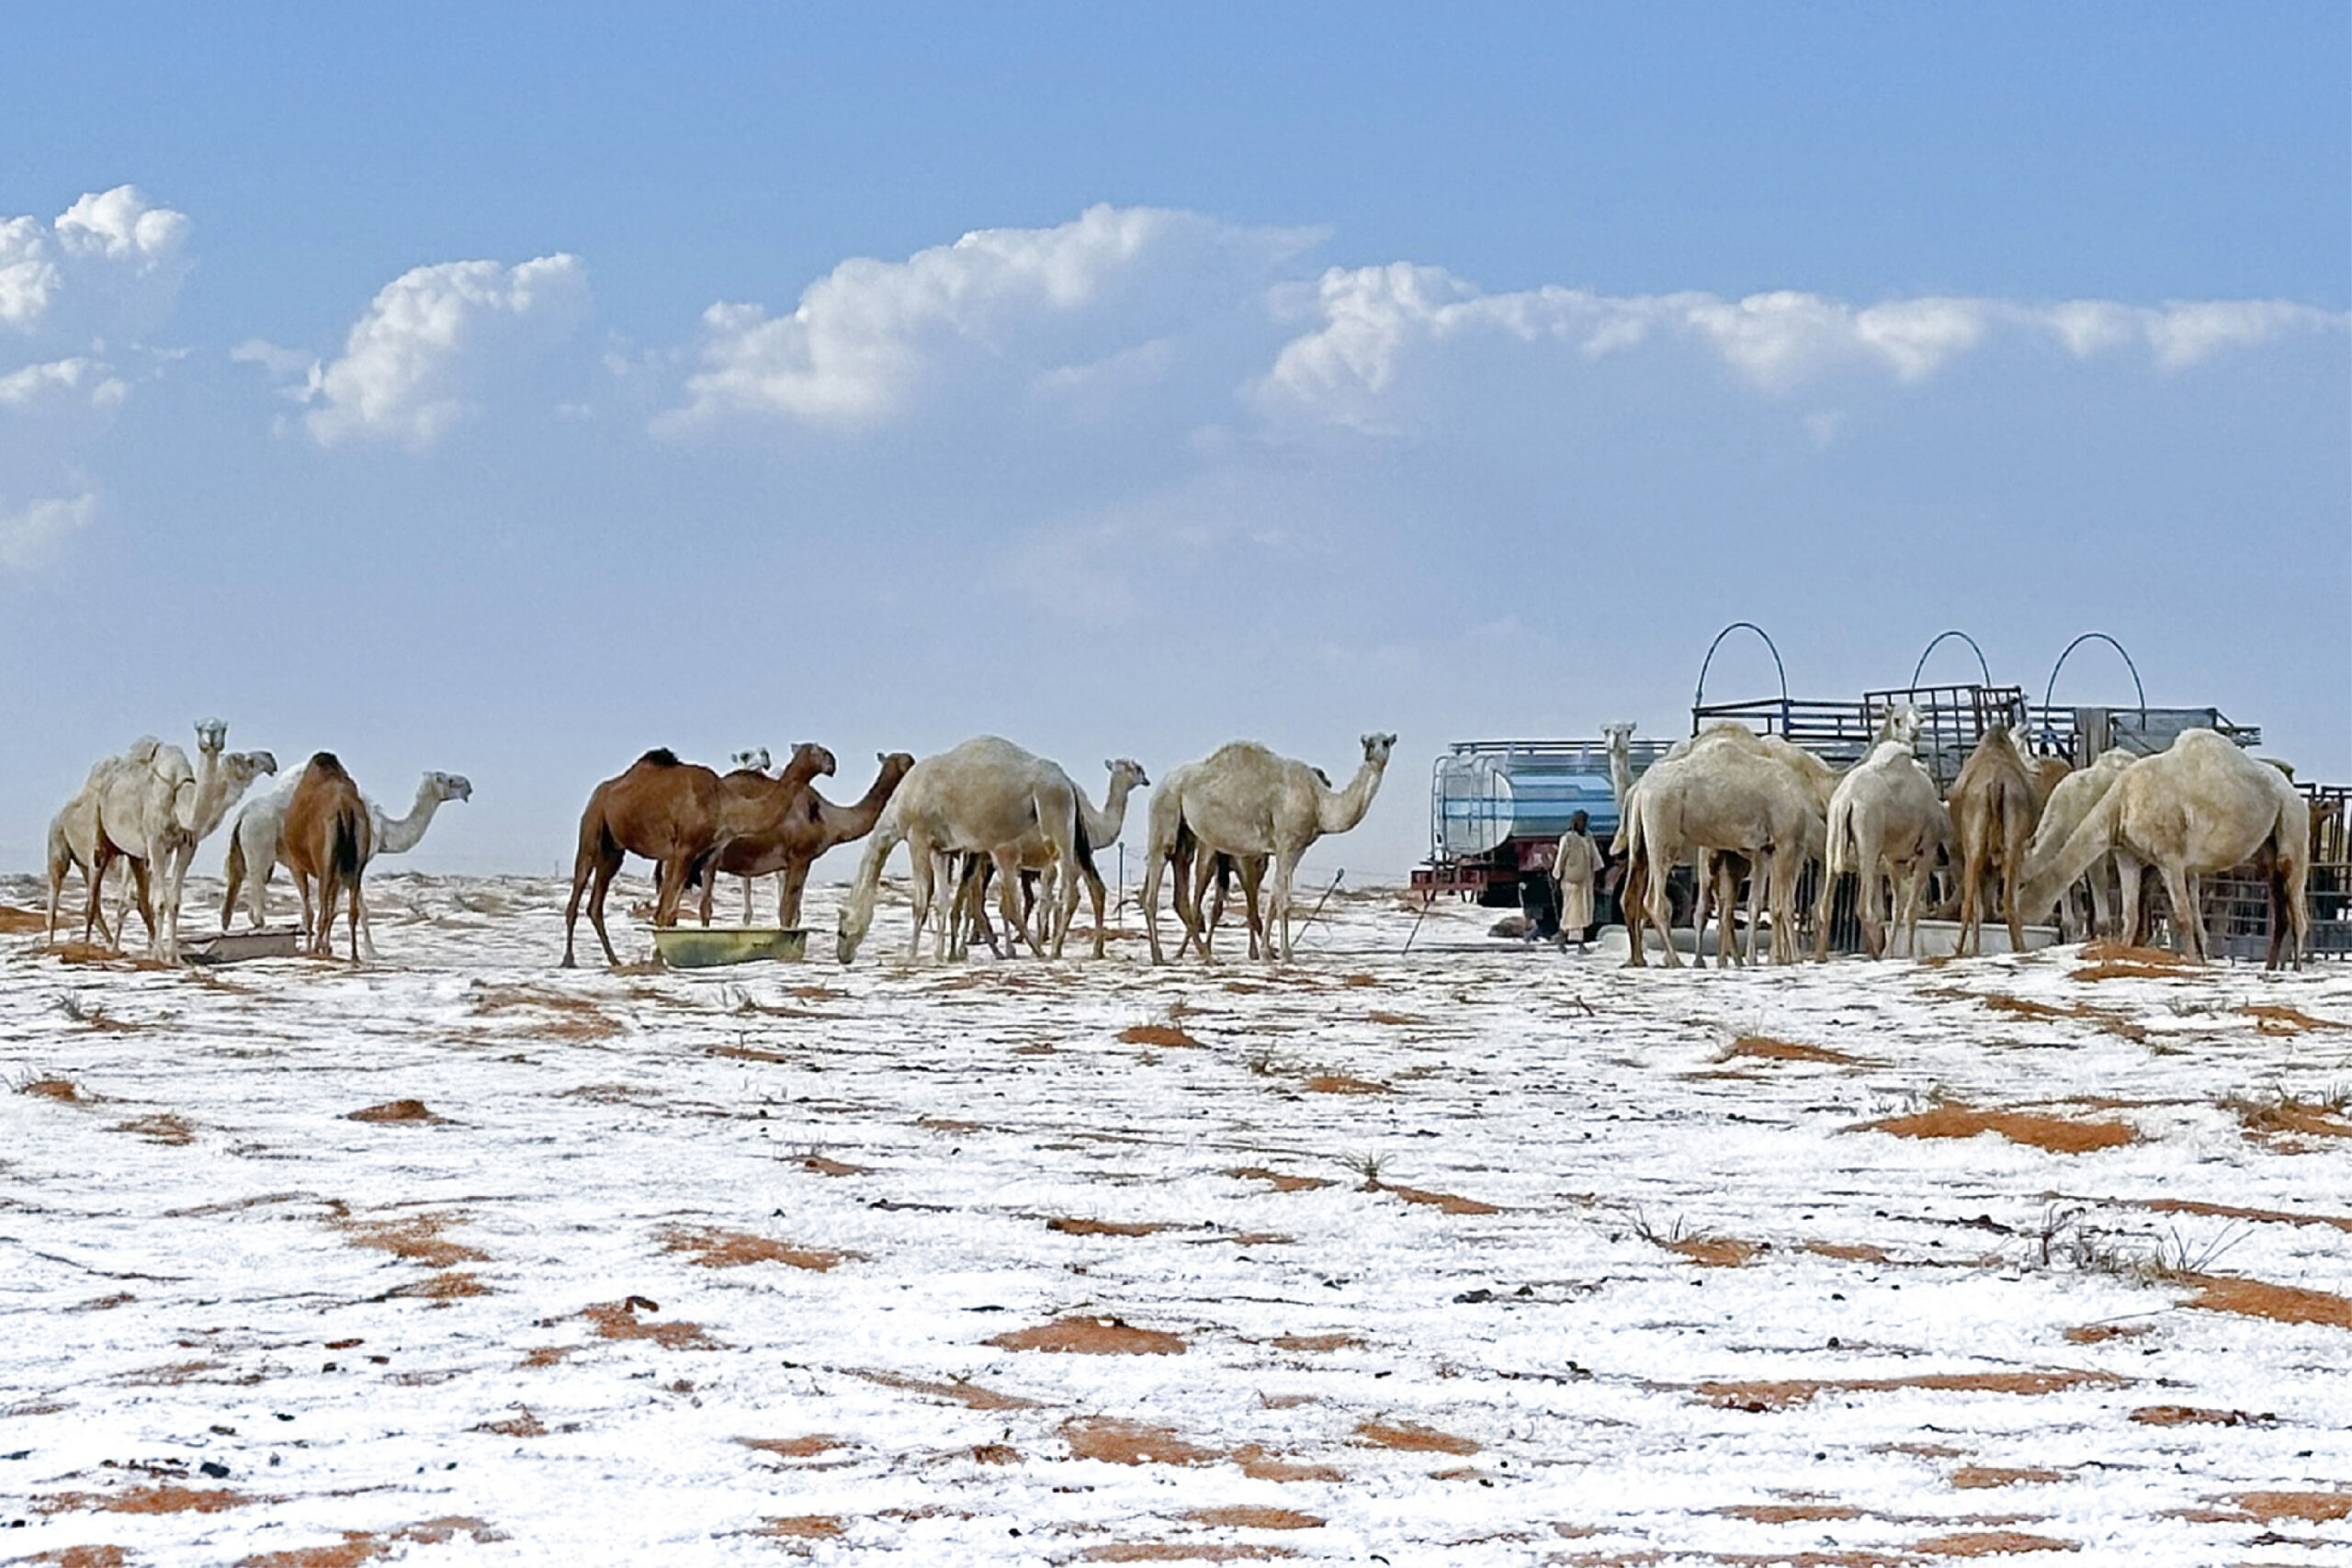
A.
pixel 1377 748
pixel 757 760
pixel 1901 723
pixel 809 751
pixel 239 769
pixel 1129 769
pixel 212 735
pixel 448 786
pixel 1620 732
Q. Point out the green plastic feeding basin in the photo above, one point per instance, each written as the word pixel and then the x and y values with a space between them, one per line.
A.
pixel 702 947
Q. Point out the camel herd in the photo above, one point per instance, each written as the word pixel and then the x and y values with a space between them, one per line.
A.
pixel 985 810
pixel 148 809
pixel 2018 832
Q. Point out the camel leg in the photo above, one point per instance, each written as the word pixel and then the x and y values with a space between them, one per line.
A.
pixel 605 867
pixel 1701 909
pixel 583 867
pixel 1253 883
pixel 1205 879
pixel 2102 908
pixel 1097 891
pixel 97 877
pixel 2018 831
pixel 2187 919
pixel 1659 906
pixel 1154 866
pixel 1633 894
pixel 358 919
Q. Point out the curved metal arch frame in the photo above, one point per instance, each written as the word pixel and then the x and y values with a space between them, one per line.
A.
pixel 1699 697
pixel 1983 669
pixel 2050 691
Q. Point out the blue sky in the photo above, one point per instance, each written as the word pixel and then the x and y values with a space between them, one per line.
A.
pixel 507 392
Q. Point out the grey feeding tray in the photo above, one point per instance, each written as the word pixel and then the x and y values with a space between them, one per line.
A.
pixel 701 947
pixel 231 947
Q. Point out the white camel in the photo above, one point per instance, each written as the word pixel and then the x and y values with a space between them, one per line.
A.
pixel 1242 800
pixel 757 760
pixel 1725 795
pixel 1103 826
pixel 2069 803
pixel 1883 818
pixel 154 812
pixel 985 796
pixel 256 845
pixel 74 846
pixel 2198 808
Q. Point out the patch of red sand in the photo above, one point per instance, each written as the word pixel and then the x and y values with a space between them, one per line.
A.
pixel 1091 1337
pixel 2056 1133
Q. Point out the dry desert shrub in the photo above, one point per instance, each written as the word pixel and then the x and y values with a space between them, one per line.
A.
pixel 2236 1212
pixel 716 1248
pixel 522 1424
pixel 578 1018
pixel 2058 1135
pixel 1848 1252
pixel 48 1087
pixel 2280 1120
pixel 1714 1251
pixel 2276 1019
pixel 1091 1337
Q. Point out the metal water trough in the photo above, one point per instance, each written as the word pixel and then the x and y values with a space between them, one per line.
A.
pixel 235 947
pixel 704 947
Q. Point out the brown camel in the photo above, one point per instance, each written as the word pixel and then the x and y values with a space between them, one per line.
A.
pixel 672 812
pixel 1994 807
pixel 329 838
pixel 789 824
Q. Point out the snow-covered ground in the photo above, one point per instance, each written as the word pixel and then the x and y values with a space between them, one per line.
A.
pixel 1466 1254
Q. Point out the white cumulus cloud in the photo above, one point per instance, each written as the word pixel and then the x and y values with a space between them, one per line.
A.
pixel 31 536
pixel 79 381
pixel 864 339
pixel 415 363
pixel 1368 324
pixel 112 262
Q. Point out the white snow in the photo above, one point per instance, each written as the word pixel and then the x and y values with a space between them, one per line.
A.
pixel 166 1305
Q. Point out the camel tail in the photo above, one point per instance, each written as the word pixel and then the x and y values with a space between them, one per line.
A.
pixel 1080 844
pixel 1841 818
pixel 349 849
pixel 233 874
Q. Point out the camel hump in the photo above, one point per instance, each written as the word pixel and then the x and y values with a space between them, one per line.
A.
pixel 661 757
pixel 328 764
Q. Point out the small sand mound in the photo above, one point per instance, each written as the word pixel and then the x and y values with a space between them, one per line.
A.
pixel 809 1447
pixel 1989 1544
pixel 1104 1227
pixel 1847 1251
pixel 802 1527
pixel 1764 1048
pixel 715 1248
pixel 1984 1477
pixel 15 921
pixel 2191 1415
pixel 2280 1303
pixel 1247 1517
pixel 1414 1438
pixel 1788 1513
pixel 162 1128
pixel 1444 1203
pixel 60 1090
pixel 392 1111
pixel 2312 1507
pixel 1156 1034
pixel 1132 1442
pixel 2100 1332
pixel 619 1320
pixel 1758 1396
pixel 824 1166
pixel 1179 1551
pixel 1713 1251
pixel 522 1424
pixel 1316 1342
pixel 2277 1019
pixel 1281 1181
pixel 1091 1337
pixel 971 1395
pixel 163 1499
pixel 1340 1083
pixel 416 1238
pixel 2056 1133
